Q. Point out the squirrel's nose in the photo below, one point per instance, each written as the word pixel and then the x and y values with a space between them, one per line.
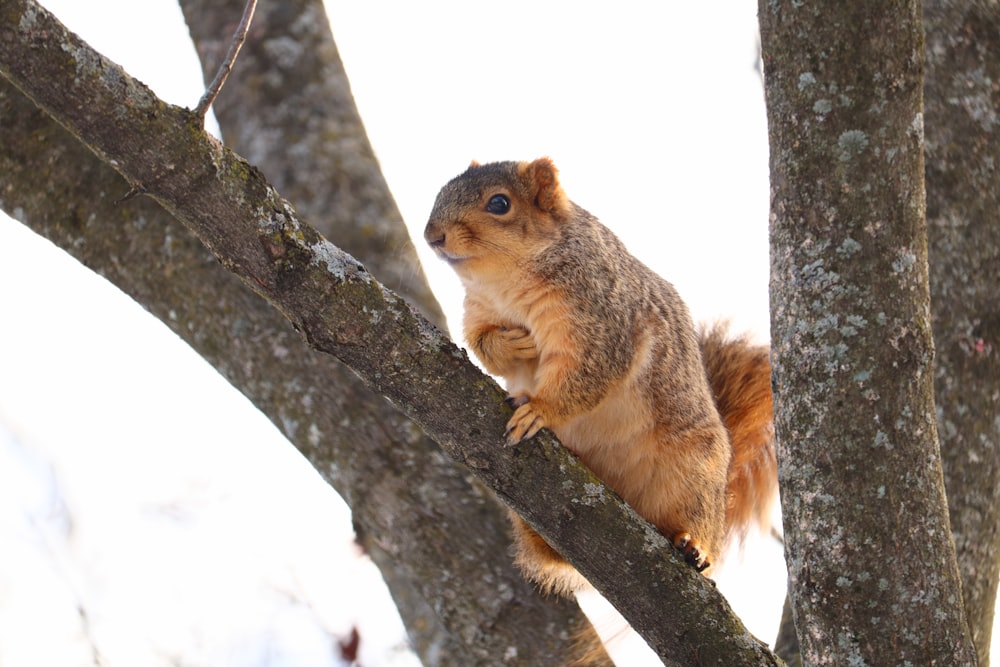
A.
pixel 434 235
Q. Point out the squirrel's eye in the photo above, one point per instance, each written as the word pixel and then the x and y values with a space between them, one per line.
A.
pixel 498 204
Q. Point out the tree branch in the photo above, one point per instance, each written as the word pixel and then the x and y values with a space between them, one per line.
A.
pixel 318 403
pixel 448 584
pixel 340 309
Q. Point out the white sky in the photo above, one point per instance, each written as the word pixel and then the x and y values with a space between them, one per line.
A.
pixel 652 111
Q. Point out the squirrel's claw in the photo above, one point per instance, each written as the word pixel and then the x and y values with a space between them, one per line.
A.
pixel 526 422
pixel 516 401
pixel 691 550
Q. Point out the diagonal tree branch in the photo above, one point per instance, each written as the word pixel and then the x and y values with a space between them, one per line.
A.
pixel 399 486
pixel 401 489
pixel 341 310
pixel 449 584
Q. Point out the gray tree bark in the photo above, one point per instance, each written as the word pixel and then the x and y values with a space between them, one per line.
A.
pixel 872 568
pixel 962 114
pixel 341 310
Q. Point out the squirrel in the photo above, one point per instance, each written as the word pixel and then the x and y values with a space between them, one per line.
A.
pixel 601 350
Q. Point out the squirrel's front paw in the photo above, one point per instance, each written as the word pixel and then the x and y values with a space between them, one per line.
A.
pixel 692 551
pixel 518 343
pixel 504 349
pixel 527 420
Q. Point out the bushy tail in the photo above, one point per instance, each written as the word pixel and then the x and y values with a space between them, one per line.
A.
pixel 739 373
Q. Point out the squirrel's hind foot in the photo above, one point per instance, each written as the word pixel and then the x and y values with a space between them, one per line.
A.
pixel 692 551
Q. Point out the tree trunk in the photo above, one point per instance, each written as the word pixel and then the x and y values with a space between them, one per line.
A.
pixel 872 567
pixel 962 114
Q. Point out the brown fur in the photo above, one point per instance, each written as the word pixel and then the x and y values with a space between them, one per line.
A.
pixel 740 375
pixel 598 348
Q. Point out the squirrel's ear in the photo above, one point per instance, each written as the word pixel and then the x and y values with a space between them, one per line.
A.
pixel 542 179
pixel 474 163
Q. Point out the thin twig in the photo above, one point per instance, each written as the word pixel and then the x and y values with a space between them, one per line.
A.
pixel 136 188
pixel 227 65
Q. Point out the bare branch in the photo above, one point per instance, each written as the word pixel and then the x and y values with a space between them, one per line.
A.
pixel 227 64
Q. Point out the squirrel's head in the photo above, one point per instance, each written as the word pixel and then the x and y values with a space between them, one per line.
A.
pixel 495 216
